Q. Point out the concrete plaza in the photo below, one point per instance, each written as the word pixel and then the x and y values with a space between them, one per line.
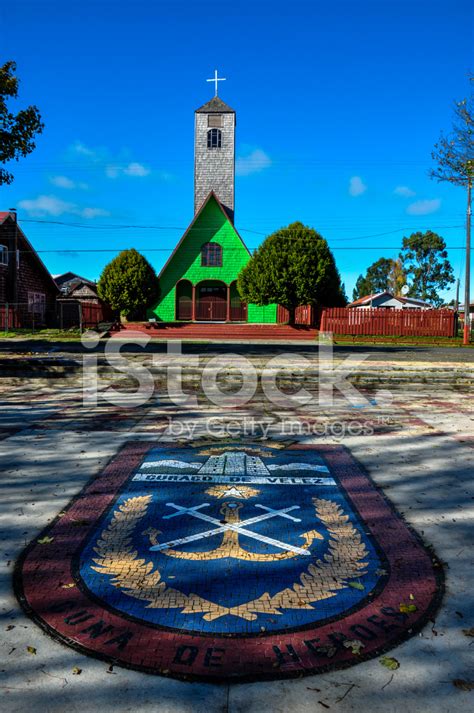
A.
pixel 418 446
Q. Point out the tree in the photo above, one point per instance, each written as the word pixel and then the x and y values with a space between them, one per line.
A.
pixel 129 284
pixel 293 266
pixel 378 278
pixel 454 156
pixel 425 262
pixel 17 131
pixel 397 278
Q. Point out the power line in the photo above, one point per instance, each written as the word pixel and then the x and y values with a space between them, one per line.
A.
pixel 188 252
pixel 247 230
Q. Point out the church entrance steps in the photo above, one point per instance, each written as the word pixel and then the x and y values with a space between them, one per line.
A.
pixel 220 331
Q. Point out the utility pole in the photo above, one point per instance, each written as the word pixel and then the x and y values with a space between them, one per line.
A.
pixel 467 282
pixel 456 301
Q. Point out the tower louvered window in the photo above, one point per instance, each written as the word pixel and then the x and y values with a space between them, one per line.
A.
pixel 214 121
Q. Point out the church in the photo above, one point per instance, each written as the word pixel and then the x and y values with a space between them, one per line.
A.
pixel 199 280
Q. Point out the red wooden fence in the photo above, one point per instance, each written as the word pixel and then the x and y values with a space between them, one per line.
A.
pixel 23 315
pixel 389 322
pixel 304 314
pixel 73 313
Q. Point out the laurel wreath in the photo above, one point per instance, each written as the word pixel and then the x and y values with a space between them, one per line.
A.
pixel 138 578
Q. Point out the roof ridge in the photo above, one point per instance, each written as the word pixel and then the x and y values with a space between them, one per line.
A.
pixel 215 105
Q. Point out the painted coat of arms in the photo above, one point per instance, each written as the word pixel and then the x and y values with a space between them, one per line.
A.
pixel 173 551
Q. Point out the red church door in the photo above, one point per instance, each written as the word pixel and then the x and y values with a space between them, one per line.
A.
pixel 212 303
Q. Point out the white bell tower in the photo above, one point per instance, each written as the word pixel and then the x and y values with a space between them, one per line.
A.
pixel 214 152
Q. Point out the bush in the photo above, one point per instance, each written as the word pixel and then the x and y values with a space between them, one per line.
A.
pixel 129 284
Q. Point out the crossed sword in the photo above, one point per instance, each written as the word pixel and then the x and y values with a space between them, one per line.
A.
pixel 240 528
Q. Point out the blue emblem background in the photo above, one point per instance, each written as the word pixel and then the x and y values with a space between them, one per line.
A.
pixel 229 581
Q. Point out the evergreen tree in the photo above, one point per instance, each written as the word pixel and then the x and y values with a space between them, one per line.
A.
pixel 425 261
pixel 293 266
pixel 17 131
pixel 129 284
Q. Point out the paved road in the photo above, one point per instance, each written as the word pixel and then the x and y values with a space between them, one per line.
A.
pixel 376 352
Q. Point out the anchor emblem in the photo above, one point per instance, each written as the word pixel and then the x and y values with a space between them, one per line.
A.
pixel 231 527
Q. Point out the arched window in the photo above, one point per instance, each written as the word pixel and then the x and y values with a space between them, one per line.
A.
pixel 214 139
pixel 211 255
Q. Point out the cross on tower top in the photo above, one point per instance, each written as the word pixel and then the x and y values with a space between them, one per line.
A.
pixel 216 79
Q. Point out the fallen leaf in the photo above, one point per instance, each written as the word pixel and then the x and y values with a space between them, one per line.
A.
pixel 328 651
pixel 76 671
pixel 355 645
pixel 408 608
pixel 356 585
pixel 31 649
pixel 412 597
pixel 468 632
pixel 68 586
pixel 390 663
pixel 381 572
pixel 463 685
pixel 45 540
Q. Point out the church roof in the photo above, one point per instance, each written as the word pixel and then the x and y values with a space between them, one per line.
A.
pixel 216 105
pixel 211 197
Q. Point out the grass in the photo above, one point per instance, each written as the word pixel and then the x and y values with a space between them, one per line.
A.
pixel 44 334
pixel 400 341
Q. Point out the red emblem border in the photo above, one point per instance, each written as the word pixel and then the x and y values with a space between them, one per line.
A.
pixel 73 616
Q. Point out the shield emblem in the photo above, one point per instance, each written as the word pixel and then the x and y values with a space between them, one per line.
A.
pixel 173 551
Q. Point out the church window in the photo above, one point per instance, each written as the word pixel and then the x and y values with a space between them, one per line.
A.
pixel 214 120
pixel 211 255
pixel 3 255
pixel 36 302
pixel 214 139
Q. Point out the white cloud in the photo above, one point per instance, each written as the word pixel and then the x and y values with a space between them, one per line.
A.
pixel 113 170
pixel 424 207
pixel 93 212
pixel 68 183
pixel 84 150
pixel 113 165
pixel 356 186
pixel 62 182
pixel 50 206
pixel 253 162
pixel 46 205
pixel 136 169
pixel 404 191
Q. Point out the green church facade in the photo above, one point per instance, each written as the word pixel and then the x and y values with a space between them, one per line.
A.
pixel 196 288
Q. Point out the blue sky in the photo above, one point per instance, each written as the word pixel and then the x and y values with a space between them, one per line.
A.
pixel 338 107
